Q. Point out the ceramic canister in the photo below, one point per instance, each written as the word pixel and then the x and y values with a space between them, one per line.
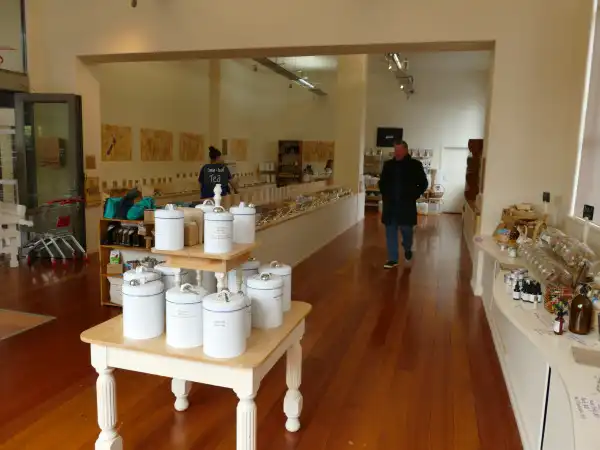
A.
pixel 184 316
pixel 218 231
pixel 248 269
pixel 143 304
pixel 224 327
pixel 265 291
pixel 168 228
pixel 244 223
pixel 285 272
pixel 172 276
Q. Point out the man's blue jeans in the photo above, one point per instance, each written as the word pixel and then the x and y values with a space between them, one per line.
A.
pixel 391 235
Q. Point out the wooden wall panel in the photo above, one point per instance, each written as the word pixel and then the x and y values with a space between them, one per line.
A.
pixel 309 151
pixel 191 147
pixel 116 143
pixel 93 196
pixel 156 145
pixel 238 149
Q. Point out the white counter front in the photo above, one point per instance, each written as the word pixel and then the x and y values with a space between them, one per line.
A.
pixel 556 401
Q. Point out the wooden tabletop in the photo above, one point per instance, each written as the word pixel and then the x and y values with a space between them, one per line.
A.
pixel 260 344
pixel 197 251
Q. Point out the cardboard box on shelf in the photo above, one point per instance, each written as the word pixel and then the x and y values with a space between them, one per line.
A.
pixel 149 216
pixel 114 269
pixel 190 234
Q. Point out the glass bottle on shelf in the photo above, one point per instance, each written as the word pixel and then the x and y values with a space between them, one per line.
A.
pixel 580 313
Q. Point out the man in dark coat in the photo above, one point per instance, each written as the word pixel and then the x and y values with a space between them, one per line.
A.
pixel 403 181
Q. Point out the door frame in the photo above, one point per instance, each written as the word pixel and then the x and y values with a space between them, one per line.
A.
pixel 441 171
pixel 75 138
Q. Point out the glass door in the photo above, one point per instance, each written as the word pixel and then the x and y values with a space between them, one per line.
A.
pixel 49 149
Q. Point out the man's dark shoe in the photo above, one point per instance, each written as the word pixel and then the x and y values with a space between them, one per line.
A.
pixel 390 264
pixel 408 256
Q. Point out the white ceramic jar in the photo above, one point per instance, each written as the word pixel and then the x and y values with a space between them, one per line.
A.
pixel 248 269
pixel 265 291
pixel 143 304
pixel 168 228
pixel 224 325
pixel 184 316
pixel 244 223
pixel 172 276
pixel 218 231
pixel 285 272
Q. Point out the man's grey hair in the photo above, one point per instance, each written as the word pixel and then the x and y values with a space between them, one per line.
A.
pixel 401 142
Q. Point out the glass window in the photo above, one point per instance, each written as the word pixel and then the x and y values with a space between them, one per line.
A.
pixel 587 188
pixel 12 49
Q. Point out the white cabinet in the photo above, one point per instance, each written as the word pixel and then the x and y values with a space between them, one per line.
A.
pixel 526 375
pixel 558 432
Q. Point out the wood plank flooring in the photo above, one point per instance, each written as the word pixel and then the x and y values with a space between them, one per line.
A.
pixel 393 360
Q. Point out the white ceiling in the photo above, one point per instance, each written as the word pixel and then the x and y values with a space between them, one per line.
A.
pixel 438 61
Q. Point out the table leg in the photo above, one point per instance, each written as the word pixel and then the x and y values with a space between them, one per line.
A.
pixel 239 279
pixel 292 404
pixel 181 389
pixel 106 395
pixel 246 422
pixel 220 276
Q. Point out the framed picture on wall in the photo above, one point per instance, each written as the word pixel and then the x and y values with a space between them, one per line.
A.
pixel 387 136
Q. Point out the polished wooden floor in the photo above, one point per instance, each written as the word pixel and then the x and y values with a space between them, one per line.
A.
pixel 393 360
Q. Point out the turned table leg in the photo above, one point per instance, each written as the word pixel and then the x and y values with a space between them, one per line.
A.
pixel 106 394
pixel 292 404
pixel 181 389
pixel 246 422
pixel 220 276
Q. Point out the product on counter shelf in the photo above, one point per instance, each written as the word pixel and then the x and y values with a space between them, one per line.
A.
pixel 173 276
pixel 143 304
pixel 266 293
pixel 559 321
pixel 169 228
pixel 581 311
pixel 115 257
pixel 224 325
pixel 285 272
pixel 184 316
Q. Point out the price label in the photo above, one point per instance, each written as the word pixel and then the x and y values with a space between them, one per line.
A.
pixel 588 212
pixel 546 197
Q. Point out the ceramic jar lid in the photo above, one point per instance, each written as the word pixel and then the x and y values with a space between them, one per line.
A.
pixel 265 281
pixel 218 214
pixel 243 210
pixel 224 301
pixel 186 294
pixel 170 271
pixel 169 212
pixel 251 264
pixel 142 282
pixel 206 206
pixel 276 268
pixel 141 275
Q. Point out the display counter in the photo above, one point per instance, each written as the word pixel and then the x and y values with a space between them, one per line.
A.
pixel 556 401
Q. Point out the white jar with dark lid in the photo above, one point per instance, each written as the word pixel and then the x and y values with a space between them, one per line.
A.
pixel 169 228
pixel 244 223
pixel 184 316
pixel 218 231
pixel 143 304
pixel 265 291
pixel 285 272
pixel 224 326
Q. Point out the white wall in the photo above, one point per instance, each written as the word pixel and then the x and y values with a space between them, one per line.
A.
pixel 10 35
pixel 529 117
pixel 447 109
pixel 261 106
pixel 170 96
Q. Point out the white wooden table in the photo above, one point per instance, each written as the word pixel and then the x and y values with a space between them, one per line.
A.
pixel 242 374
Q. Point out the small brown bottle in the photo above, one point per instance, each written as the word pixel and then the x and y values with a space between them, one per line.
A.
pixel 580 314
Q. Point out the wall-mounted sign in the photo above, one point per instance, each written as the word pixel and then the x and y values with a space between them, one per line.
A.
pixel 588 212
pixel 546 197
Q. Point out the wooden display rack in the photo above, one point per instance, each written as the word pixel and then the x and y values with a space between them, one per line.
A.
pixel 104 255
